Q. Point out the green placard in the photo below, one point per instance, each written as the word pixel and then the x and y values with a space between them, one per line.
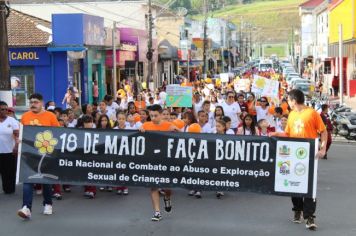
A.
pixel 179 96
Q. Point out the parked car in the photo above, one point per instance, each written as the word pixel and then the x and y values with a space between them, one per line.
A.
pixel 306 88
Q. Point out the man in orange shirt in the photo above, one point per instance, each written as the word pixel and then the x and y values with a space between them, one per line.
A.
pixel 157 124
pixel 304 122
pixel 39 117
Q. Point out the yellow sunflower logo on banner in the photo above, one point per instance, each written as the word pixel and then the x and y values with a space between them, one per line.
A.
pixel 45 144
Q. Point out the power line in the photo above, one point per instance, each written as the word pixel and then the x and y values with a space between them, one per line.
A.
pixel 107 18
pixel 111 12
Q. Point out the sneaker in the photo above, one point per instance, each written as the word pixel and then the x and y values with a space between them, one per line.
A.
pixel 89 195
pixel 119 192
pixel 47 209
pixel 197 194
pixel 311 224
pixel 219 194
pixel 57 196
pixel 298 217
pixel 167 204
pixel 191 192
pixel 109 189
pixel 126 191
pixel 101 189
pixel 24 213
pixel 156 216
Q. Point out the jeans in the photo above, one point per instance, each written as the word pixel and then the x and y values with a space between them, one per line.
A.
pixel 307 205
pixel 28 194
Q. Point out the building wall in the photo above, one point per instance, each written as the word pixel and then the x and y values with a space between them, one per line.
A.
pixel 342 14
pixel 307 34
pixel 322 35
pixel 59 72
pixel 168 28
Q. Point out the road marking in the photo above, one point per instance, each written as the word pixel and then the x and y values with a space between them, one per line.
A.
pixel 157 151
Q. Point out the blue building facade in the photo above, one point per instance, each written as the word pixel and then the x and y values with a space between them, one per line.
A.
pixel 75 58
pixel 31 71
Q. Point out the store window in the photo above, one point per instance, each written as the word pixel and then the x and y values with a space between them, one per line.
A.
pixel 327 67
pixel 22 85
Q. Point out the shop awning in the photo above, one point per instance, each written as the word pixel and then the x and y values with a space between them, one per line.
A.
pixel 191 63
pixel 64 49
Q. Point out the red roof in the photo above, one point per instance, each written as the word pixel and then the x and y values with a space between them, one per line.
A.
pixel 334 3
pixel 311 3
pixel 25 30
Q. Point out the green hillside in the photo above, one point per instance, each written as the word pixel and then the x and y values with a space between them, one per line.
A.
pixel 272 21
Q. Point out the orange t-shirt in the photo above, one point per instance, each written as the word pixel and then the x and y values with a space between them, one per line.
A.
pixel 304 124
pixel 163 126
pixel 45 118
pixel 251 109
pixel 271 109
pixel 140 105
pixel 284 107
pixel 188 84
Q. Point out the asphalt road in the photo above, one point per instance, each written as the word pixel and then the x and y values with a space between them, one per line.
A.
pixel 235 214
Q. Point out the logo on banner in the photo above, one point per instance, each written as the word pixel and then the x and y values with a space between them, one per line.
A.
pixel 284 167
pixel 290 183
pixel 301 153
pixel 300 169
pixel 284 151
pixel 45 144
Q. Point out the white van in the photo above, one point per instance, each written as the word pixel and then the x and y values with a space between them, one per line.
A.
pixel 265 66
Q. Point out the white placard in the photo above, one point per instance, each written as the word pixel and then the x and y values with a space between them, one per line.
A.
pixel 292 167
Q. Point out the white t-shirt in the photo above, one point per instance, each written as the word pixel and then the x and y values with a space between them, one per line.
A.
pixel 110 114
pixel 206 129
pixel 162 96
pixel 197 106
pixel 230 131
pixel 231 111
pixel 7 128
pixel 123 105
pixel 129 127
pixel 113 108
pixel 278 125
pixel 262 113
pixel 72 124
pixel 211 120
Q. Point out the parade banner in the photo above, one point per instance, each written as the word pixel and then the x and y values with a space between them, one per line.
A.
pixel 179 96
pixel 279 166
pixel 265 87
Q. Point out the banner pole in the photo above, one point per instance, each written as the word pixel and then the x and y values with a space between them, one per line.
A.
pixel 19 155
pixel 316 162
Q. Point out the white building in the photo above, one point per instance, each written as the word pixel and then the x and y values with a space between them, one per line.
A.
pixel 308 34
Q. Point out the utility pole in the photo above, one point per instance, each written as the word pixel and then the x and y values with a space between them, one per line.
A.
pixel 205 43
pixel 293 60
pixel 250 42
pixel 5 83
pixel 341 84
pixel 241 40
pixel 149 54
pixel 228 45
pixel 114 81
